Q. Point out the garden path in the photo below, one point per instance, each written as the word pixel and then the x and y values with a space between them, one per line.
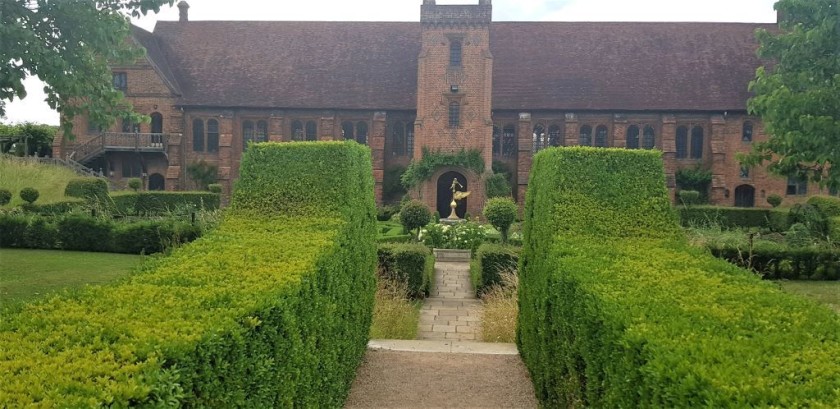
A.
pixel 445 367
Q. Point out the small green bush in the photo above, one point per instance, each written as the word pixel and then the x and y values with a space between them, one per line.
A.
pixel 490 262
pixel 29 194
pixel 798 236
pixel 5 197
pixel 135 184
pixel 385 213
pixel 407 263
pixel 414 215
pixel 501 213
pixel 774 200
pixel 811 217
pixel 464 235
pixel 90 189
pixel 215 188
pixel 697 179
pixel 85 233
pixel 689 197
pixel 828 206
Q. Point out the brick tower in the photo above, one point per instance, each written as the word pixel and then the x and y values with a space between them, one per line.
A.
pixel 454 90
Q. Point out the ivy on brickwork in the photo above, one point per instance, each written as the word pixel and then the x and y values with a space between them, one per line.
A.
pixel 420 171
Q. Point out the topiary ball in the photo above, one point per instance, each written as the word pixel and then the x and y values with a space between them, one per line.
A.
pixel 501 213
pixel 5 197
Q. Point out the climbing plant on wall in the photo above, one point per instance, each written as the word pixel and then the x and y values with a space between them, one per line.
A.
pixel 422 170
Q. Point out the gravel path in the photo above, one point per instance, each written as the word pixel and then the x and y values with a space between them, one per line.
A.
pixel 389 379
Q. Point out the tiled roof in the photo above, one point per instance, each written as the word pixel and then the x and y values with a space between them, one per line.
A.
pixel 551 65
pixel 156 56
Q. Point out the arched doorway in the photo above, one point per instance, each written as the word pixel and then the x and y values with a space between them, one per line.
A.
pixel 157 182
pixel 444 194
pixel 745 196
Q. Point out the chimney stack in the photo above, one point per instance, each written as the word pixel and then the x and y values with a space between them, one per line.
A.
pixel 183 11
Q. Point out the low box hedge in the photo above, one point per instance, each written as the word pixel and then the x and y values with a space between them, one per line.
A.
pixel 776 220
pixel 410 263
pixel 834 229
pixel 490 261
pixel 782 262
pixel 618 310
pixel 272 309
pixel 160 203
pixel 91 189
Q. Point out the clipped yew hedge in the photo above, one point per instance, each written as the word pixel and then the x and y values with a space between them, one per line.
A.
pixel 490 261
pixel 617 310
pixel 735 217
pixel 272 309
pixel 411 263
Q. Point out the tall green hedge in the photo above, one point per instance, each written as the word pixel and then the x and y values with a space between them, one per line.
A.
pixel 828 206
pixel 272 309
pixel 617 310
pixel 93 189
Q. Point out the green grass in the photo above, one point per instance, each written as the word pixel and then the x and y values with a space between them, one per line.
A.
pixel 49 180
pixel 826 292
pixel 29 274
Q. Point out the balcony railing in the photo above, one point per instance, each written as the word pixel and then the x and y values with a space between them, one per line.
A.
pixel 119 141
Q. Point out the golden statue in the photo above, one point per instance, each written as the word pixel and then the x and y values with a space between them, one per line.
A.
pixel 456 195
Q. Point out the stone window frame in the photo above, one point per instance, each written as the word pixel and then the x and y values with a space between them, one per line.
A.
pixel 691 154
pixel 456 43
pixel 307 130
pixel 539 141
pixel 454 114
pixel 198 137
pixel 401 138
pixel 693 145
pixel 585 135
pixel 255 135
pixel 212 142
pixel 606 136
pixel 641 138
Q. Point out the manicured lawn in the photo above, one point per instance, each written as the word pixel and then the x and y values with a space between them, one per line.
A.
pixel 826 292
pixel 28 274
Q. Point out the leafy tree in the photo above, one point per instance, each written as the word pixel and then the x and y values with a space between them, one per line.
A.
pixel 797 93
pixel 135 184
pixel 203 174
pixel 28 137
pixel 413 216
pixel 501 213
pixel 68 45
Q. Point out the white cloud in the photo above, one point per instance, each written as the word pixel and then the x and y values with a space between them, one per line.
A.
pixel 34 109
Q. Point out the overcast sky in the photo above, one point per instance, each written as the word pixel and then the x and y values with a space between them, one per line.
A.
pixel 34 109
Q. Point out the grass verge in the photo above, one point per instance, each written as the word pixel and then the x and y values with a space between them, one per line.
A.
pixel 28 274
pixel 826 292
pixel 498 323
pixel 394 315
pixel 49 180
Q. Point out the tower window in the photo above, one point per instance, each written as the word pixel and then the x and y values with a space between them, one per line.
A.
pixel 454 114
pixel 120 81
pixel 455 53
pixel 747 134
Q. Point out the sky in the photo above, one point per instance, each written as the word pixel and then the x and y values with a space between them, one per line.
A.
pixel 34 109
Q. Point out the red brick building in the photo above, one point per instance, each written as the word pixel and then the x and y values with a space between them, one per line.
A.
pixel 455 80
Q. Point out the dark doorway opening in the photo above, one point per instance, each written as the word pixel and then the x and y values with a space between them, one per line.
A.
pixel 745 196
pixel 444 194
pixel 157 182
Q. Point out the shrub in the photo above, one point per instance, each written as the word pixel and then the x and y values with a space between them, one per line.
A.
pixel 5 197
pixel 90 189
pixel 463 236
pixel 135 184
pixel 798 236
pixel 385 213
pixel 774 200
pixel 162 203
pixel 277 316
pixel 501 213
pixel 735 217
pixel 778 262
pixel 202 174
pixel 689 197
pixel 407 263
pixel 392 188
pixel 490 263
pixel 29 194
pixel 85 233
pixel 617 310
pixel 497 185
pixel 834 229
pixel 13 229
pixel 152 236
pixel 59 208
pixel 828 206
pixel 698 179
pixel 811 217
pixel 414 215
pixel 41 233
pixel 215 188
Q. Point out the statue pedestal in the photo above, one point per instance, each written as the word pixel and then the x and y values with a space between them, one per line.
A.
pixel 451 221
